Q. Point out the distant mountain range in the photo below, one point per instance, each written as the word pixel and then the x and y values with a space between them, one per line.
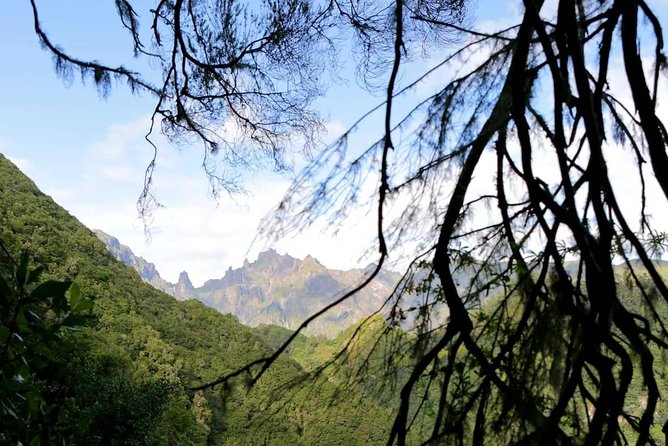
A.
pixel 278 289
pixel 275 289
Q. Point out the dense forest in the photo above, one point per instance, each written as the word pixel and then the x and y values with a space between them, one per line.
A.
pixel 121 371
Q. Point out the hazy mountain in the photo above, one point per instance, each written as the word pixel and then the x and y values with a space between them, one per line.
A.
pixel 275 289
pixel 146 269
pixel 278 289
pixel 282 290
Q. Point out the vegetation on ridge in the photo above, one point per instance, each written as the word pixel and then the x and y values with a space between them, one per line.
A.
pixel 126 374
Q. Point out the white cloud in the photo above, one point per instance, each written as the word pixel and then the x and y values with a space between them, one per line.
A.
pixel 333 130
pixel 206 240
pixel 120 173
pixel 193 232
pixel 121 139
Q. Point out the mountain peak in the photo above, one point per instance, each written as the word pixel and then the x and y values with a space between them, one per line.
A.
pixel 184 281
pixel 271 263
pixel 268 256
pixel 184 287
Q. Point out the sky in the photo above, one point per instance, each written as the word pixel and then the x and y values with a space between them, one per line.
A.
pixel 89 154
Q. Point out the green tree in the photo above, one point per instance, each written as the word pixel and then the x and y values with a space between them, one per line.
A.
pixel 35 317
pixel 540 89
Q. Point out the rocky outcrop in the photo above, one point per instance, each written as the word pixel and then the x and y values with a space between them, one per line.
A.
pixel 183 290
pixel 282 290
pixel 147 270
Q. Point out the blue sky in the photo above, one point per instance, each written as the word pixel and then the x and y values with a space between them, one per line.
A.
pixel 88 152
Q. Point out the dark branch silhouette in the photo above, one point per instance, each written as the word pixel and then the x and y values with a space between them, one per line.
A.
pixel 543 337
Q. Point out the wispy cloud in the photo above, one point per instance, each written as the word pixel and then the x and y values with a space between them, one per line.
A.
pixel 121 140
pixel 192 232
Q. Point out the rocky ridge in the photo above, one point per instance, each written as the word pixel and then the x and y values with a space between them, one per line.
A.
pixel 274 289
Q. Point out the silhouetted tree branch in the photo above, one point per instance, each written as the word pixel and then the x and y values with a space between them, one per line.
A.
pixel 501 172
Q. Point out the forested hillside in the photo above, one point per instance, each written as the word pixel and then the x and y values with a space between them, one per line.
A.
pixel 124 378
pixel 376 359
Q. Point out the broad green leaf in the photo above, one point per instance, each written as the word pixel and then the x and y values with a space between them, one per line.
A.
pixel 4 333
pixel 51 288
pixel 74 294
pixel 34 401
pixel 34 274
pixel 21 323
pixel 22 270
pixel 83 305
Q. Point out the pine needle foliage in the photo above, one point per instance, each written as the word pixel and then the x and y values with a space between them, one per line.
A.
pixel 554 357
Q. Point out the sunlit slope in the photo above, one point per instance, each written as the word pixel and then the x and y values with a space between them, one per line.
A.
pixel 150 337
pixel 377 359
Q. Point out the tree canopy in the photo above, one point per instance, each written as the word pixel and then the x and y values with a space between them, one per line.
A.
pixel 506 169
